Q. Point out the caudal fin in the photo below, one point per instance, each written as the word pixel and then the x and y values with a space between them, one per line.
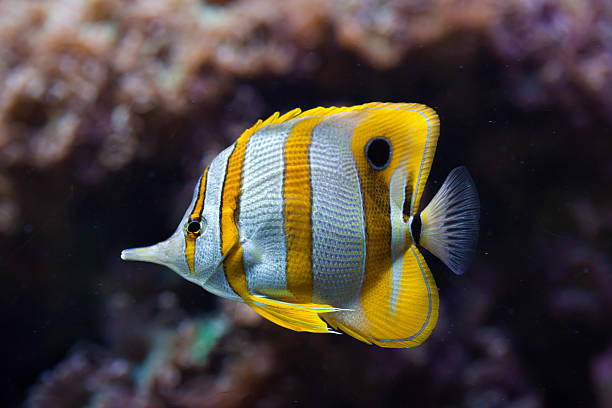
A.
pixel 449 224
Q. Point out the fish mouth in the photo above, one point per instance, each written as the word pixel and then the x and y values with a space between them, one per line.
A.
pixel 144 254
pixel 168 253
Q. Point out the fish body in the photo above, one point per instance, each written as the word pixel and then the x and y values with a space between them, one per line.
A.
pixel 312 219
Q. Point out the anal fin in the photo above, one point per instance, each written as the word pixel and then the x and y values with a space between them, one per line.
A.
pixel 395 313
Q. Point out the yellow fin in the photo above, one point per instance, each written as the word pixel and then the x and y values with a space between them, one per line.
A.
pixel 402 317
pixel 339 326
pixel 298 317
pixel 277 118
pixel 273 119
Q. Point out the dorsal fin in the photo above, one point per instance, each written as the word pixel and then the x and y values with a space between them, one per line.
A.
pixel 273 119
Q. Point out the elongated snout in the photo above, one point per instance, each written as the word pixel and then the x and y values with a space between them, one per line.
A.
pixel 169 253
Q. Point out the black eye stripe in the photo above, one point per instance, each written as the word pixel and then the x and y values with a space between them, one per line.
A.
pixel 378 152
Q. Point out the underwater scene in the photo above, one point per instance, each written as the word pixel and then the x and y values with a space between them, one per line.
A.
pixel 339 203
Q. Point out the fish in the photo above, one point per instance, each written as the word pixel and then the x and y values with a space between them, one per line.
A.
pixel 312 219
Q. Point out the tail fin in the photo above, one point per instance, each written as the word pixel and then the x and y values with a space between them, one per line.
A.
pixel 449 224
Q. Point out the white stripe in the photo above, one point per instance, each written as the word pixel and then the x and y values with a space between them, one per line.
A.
pixel 208 246
pixel 261 211
pixel 338 230
pixel 398 231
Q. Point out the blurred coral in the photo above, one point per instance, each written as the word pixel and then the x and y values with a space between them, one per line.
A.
pixel 171 362
pixel 191 362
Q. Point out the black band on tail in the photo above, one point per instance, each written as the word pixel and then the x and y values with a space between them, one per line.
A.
pixel 415 229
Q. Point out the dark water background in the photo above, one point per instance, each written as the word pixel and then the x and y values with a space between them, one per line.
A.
pixel 527 326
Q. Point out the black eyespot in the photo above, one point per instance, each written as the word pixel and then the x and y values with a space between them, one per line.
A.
pixel 378 153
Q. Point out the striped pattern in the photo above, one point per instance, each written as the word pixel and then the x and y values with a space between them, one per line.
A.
pixel 418 305
pixel 261 211
pixel 398 301
pixel 231 246
pixel 198 206
pixel 228 207
pixel 297 210
pixel 209 252
pixel 196 215
pixel 338 233
pixel 377 219
pixel 304 219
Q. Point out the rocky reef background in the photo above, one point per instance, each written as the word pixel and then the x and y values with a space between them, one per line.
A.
pixel 109 111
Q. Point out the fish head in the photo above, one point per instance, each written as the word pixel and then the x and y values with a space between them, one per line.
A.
pixel 192 251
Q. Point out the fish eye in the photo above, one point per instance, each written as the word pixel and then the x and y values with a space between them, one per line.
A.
pixel 378 153
pixel 194 227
